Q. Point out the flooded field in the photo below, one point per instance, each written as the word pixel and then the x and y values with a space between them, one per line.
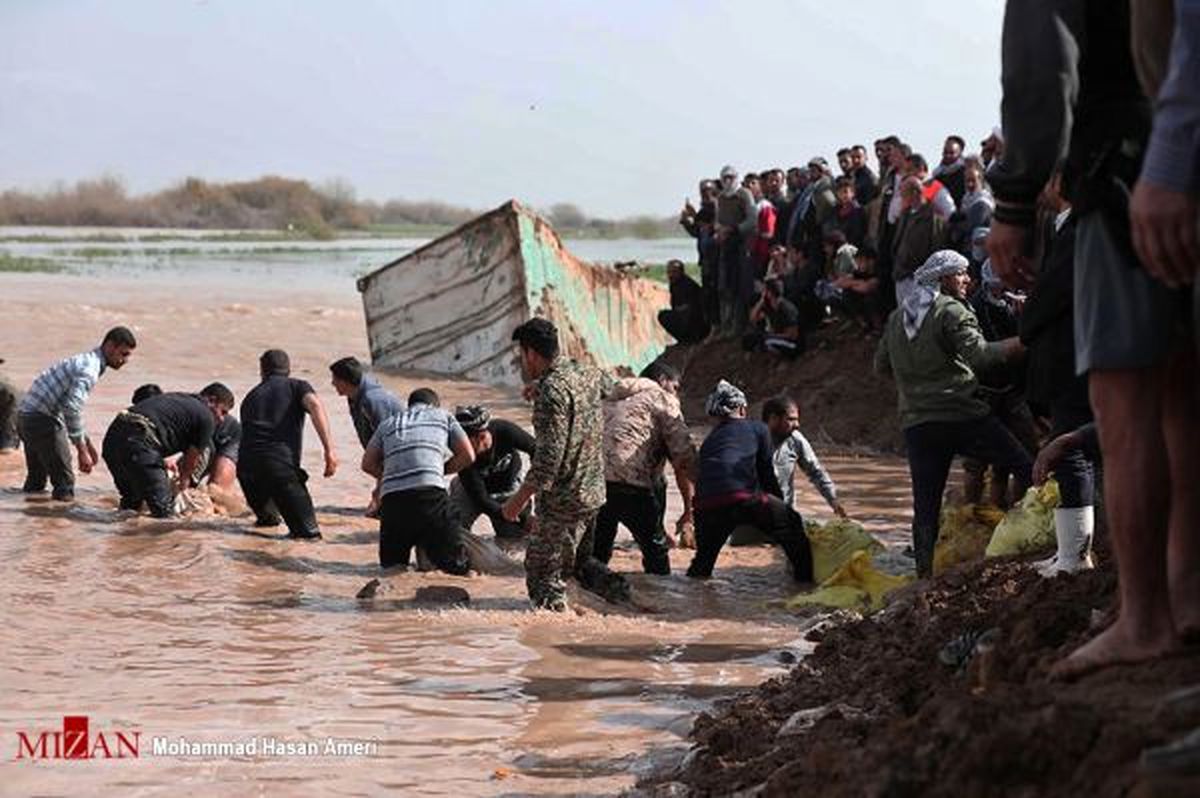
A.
pixel 209 630
pixel 233 254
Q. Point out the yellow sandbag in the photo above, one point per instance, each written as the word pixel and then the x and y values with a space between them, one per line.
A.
pixel 841 597
pixel 858 584
pixel 834 543
pixel 964 533
pixel 861 573
pixel 1029 526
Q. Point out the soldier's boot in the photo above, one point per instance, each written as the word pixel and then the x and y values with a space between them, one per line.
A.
pixel 598 578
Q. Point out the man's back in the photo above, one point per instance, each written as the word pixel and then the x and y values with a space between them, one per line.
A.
pixel 735 458
pixel 642 426
pixel 371 406
pixel 272 416
pixel 180 420
pixel 415 446
pixel 569 427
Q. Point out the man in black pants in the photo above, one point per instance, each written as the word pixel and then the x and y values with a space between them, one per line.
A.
pixel 155 428
pixel 485 485
pixel 737 485
pixel 643 427
pixel 268 466
pixel 934 350
pixel 410 454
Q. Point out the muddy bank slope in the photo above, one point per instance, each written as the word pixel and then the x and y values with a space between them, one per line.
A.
pixel 898 721
pixel 842 401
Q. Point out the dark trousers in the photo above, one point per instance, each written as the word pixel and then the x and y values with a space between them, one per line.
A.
pixel 760 341
pixel 638 509
pixel 778 522
pixel 685 326
pixel 9 400
pixel 1075 473
pixel 274 488
pixel 931 449
pixel 420 517
pixel 47 454
pixel 138 469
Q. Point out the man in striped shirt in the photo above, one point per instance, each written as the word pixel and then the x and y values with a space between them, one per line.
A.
pixel 50 417
pixel 410 454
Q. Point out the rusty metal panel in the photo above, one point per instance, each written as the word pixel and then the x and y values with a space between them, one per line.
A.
pixel 450 307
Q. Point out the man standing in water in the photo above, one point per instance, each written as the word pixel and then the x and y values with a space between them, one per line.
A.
pixel 268 465
pixel 140 438
pixel 410 454
pixel 643 427
pixel 369 404
pixel 51 414
pixel 567 472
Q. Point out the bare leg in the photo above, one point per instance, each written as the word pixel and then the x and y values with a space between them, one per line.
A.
pixel 1181 428
pixel 1128 407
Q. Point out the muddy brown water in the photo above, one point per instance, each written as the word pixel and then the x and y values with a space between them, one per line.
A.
pixel 208 630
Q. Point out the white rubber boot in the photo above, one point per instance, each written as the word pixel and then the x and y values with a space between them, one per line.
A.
pixel 1073 527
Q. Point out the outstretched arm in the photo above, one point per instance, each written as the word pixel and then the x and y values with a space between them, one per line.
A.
pixel 316 411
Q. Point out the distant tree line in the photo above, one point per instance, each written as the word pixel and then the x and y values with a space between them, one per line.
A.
pixel 272 203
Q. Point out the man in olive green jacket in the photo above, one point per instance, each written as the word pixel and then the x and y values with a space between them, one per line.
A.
pixel 933 347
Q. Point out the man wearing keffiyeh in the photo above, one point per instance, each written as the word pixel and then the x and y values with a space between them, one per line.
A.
pixel 934 349
pixel 737 485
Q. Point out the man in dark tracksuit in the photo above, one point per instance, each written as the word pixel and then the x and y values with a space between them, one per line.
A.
pixel 140 438
pixel 268 465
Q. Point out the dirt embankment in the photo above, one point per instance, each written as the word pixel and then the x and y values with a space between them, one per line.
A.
pixel 903 723
pixel 842 400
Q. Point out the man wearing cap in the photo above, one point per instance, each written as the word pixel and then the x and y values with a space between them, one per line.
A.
pixel 934 350
pixel 485 485
pixel 567 472
pixel 9 398
pixel 268 465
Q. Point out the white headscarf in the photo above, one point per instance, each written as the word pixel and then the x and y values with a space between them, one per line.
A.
pixel 926 287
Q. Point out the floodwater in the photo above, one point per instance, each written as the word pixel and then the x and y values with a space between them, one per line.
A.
pixel 169 252
pixel 209 630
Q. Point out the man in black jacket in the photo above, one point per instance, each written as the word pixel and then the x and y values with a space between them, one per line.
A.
pixel 685 321
pixel 485 485
pixel 1070 91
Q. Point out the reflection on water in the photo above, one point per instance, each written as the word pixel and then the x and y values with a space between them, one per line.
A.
pixel 209 629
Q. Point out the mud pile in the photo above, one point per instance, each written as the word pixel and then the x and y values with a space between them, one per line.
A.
pixel 895 720
pixel 842 400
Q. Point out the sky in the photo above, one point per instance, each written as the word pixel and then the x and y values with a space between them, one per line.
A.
pixel 616 106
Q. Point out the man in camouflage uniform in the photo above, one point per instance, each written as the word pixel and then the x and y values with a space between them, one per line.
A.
pixel 566 473
pixel 643 427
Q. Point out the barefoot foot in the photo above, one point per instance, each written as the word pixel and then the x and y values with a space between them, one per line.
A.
pixel 1113 646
